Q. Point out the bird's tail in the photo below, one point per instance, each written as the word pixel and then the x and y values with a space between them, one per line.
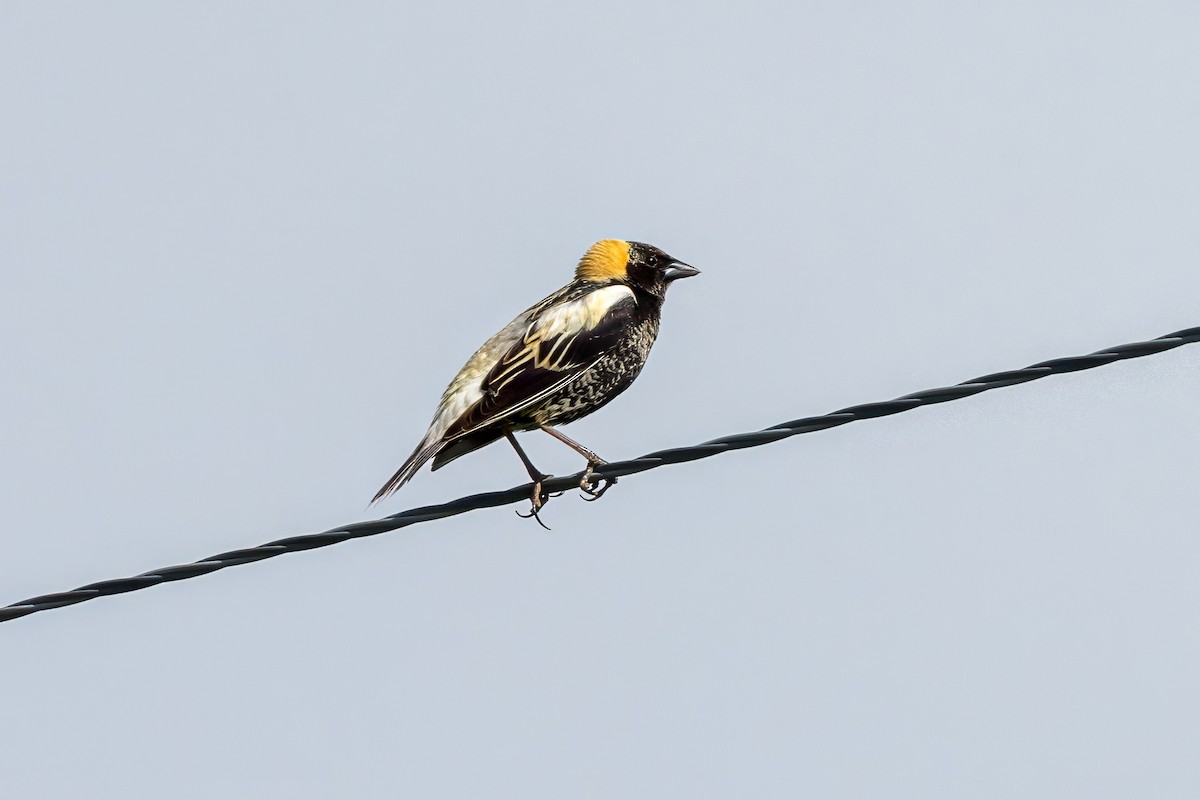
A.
pixel 424 452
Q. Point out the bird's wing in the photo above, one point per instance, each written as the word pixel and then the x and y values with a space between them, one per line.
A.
pixel 559 345
pixel 545 348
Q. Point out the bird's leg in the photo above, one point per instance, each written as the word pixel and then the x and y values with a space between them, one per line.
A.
pixel 593 461
pixel 539 498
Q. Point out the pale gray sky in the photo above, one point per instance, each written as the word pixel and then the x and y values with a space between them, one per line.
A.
pixel 243 246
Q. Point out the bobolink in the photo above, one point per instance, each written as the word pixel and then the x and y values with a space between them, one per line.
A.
pixel 558 361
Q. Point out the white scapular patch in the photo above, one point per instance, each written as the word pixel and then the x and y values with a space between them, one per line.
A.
pixel 578 315
pixel 561 323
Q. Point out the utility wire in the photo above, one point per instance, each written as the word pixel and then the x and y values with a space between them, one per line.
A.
pixel 660 458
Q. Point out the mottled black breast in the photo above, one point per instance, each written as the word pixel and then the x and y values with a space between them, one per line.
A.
pixel 608 377
pixel 595 387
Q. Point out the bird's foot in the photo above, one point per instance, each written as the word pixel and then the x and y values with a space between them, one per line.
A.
pixel 591 485
pixel 538 497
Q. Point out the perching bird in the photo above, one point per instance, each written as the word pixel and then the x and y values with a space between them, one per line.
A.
pixel 558 361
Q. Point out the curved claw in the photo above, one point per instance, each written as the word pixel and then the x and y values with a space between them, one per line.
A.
pixel 536 517
pixel 596 494
pixel 589 480
pixel 538 499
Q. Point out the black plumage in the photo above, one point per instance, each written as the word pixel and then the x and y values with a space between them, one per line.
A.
pixel 560 360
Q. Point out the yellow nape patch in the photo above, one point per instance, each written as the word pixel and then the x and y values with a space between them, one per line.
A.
pixel 603 261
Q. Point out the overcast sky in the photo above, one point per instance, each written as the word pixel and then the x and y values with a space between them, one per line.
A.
pixel 244 246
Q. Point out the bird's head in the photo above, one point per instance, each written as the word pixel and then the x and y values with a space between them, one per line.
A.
pixel 640 266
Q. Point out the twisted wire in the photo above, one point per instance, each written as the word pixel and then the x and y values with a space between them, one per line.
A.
pixel 659 458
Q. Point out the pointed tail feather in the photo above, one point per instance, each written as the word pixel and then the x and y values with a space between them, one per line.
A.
pixel 423 453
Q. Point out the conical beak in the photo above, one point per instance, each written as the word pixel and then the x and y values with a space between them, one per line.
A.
pixel 678 270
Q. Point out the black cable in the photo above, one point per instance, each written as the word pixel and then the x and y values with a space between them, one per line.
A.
pixel 615 469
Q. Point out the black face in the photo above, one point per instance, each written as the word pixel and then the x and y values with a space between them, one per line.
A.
pixel 651 269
